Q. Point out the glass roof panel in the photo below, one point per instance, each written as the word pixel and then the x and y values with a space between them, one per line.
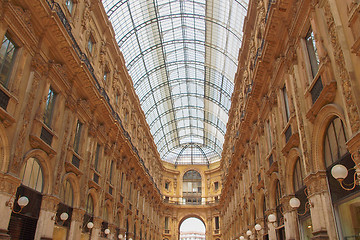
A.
pixel 182 58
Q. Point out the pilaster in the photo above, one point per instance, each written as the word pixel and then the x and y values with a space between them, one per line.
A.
pixel 322 210
pixel 45 224
pixel 76 223
pixel 8 186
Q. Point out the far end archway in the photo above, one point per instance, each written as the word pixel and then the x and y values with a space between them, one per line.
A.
pixel 192 228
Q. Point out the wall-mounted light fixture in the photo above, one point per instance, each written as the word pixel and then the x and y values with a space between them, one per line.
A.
pixel 242 238
pixel 22 201
pixel 272 218
pixel 121 237
pixel 340 172
pixel 295 203
pixel 90 225
pixel 107 231
pixel 63 217
pixel 257 227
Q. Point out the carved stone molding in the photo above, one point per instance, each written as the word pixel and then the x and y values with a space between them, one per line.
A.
pixel 49 203
pixel 9 183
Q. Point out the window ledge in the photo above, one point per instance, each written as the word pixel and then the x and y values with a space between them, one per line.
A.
pixel 293 142
pixel 273 168
pixel 93 184
pixel 37 142
pixel 6 118
pixel 326 96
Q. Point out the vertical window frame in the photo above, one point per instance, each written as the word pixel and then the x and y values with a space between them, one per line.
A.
pixel 77 138
pixel 312 52
pixel 69 5
pixel 49 107
pixel 286 104
pixel 14 50
pixel 97 157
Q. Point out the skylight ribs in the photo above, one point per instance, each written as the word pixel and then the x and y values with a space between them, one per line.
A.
pixel 182 57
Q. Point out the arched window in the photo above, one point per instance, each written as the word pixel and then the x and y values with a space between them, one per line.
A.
pixel 298 176
pixel 335 142
pixel 66 194
pixel 31 175
pixel 89 205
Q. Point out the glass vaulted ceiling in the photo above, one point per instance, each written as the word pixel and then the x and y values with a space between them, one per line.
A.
pixel 182 58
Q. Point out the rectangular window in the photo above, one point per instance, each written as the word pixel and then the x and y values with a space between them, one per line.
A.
pixel 69 5
pixel 217 224
pixel 7 56
pixel 111 172
pixel 130 191
pixel 312 52
pixel 257 152
pixel 286 104
pixel 90 44
pixel 106 74
pixel 77 136
pixel 269 135
pixel 137 199
pixel 216 185
pixel 49 107
pixel 167 185
pixel 122 183
pixel 96 162
pixel 166 223
pixel 117 98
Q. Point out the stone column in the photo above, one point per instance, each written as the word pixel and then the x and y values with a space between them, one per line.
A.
pixel 8 187
pixel 322 215
pixel 112 234
pixel 271 226
pixel 354 148
pixel 45 224
pixel 209 229
pixel 290 217
pixel 76 224
pixel 95 231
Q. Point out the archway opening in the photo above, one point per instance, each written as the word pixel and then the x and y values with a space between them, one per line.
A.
pixel 192 229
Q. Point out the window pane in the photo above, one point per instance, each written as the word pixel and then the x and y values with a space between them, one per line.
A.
pixel 77 136
pixel 31 175
pixel 7 54
pixel 69 5
pixel 335 142
pixel 312 52
pixel 49 107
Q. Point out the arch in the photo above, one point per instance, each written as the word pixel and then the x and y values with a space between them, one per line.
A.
pixel 95 197
pixel 31 175
pixel 67 193
pixel 43 160
pixel 192 215
pixel 4 150
pixel 323 118
pixel 189 169
pixel 108 206
pixel 260 203
pixel 72 178
pixel 292 157
pixel 274 178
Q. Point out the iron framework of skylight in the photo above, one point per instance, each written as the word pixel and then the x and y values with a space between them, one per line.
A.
pixel 182 58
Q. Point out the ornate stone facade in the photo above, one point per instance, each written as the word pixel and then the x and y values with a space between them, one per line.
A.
pixel 98 142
